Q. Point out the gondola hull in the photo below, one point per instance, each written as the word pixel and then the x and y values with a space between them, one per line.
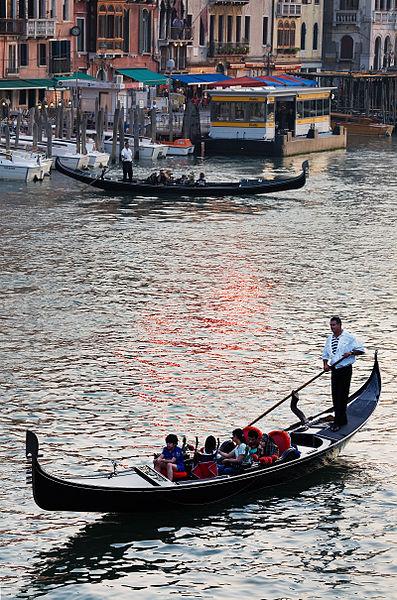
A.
pixel 141 188
pixel 138 489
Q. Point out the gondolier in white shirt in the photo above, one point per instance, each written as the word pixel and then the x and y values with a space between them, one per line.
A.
pixel 340 345
pixel 126 160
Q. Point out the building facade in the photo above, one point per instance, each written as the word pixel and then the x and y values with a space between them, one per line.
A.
pixel 360 35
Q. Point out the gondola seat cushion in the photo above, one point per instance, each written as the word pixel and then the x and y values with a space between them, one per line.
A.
pixel 281 439
pixel 176 474
pixel 249 428
pixel 205 470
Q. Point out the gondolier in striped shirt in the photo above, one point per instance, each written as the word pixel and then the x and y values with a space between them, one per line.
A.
pixel 126 160
pixel 340 345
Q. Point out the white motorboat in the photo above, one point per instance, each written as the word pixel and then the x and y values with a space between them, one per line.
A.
pixel 64 149
pixel 13 168
pixel 96 159
pixel 38 157
pixel 179 147
pixel 148 150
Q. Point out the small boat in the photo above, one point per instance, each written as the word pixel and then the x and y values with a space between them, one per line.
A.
pixel 243 187
pixel 30 156
pixel 96 159
pixel 148 150
pixel 14 168
pixel 179 147
pixel 360 125
pixel 144 489
pixel 60 148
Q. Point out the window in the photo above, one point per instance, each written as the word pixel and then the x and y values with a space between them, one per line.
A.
pixel 3 9
pixel 42 55
pixel 315 36
pixel 348 4
pixel 145 32
pixel 286 34
pixel 126 30
pixel 247 28
pixel 303 36
pixel 60 57
pixel 80 22
pixel 265 29
pixel 220 28
pixel 23 55
pixel 238 28
pixel 110 26
pixel 257 112
pixel 23 97
pixel 212 28
pixel 346 48
pixel 65 10
pixel 12 59
pixel 229 31
pixel 202 32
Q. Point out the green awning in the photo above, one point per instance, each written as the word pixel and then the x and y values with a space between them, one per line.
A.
pixel 76 75
pixel 26 84
pixel 144 76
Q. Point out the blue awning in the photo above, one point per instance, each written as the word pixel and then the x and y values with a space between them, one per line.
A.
pixel 200 79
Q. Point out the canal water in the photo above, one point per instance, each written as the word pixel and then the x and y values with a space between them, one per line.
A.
pixel 124 320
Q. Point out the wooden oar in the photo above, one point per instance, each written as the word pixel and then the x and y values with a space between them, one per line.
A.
pixel 94 180
pixel 269 410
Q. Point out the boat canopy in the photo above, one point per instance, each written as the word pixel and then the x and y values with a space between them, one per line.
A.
pixel 200 78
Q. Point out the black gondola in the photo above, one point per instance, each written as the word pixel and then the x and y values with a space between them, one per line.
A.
pixel 243 187
pixel 143 489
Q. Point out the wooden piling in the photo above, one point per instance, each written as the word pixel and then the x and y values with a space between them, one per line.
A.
pixel 84 134
pixel 136 132
pixel 35 134
pixel 113 155
pixel 153 124
pixel 7 137
pixel 18 129
pixel 49 139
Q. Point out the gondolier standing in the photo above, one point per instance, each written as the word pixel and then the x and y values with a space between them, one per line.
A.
pixel 340 344
pixel 126 159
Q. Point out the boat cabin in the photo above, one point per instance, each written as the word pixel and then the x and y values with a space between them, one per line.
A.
pixel 259 113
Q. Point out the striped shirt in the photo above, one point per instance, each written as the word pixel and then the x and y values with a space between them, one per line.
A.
pixel 334 343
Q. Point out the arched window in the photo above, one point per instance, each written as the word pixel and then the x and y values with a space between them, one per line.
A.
pixel 145 32
pixel 110 26
pixel 303 36
pixel 377 54
pixel 286 34
pixel 346 48
pixel 101 75
pixel 202 31
pixel 292 31
pixel 280 34
pixel 163 21
pixel 387 53
pixel 315 36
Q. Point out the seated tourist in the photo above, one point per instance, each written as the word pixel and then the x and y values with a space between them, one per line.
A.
pixel 191 179
pixel 201 180
pixel 252 447
pixel 163 177
pixel 153 178
pixel 183 180
pixel 267 450
pixel 208 452
pixel 231 462
pixel 171 458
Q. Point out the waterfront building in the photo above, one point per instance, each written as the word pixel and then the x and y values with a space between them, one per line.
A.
pixel 36 45
pixel 360 35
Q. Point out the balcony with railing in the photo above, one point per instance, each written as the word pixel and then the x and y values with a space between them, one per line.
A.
pixel 40 28
pixel 385 17
pixel 177 34
pixel 12 70
pixel 346 17
pixel 228 2
pixel 60 66
pixel 288 10
pixel 216 49
pixel 110 46
pixel 12 26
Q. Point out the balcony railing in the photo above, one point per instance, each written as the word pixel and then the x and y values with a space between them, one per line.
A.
pixel 13 70
pixel 59 66
pixel 288 10
pixel 385 18
pixel 109 46
pixel 227 49
pixel 228 2
pixel 346 17
pixel 12 26
pixel 40 28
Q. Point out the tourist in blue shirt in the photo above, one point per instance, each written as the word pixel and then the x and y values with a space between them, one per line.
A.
pixel 171 458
